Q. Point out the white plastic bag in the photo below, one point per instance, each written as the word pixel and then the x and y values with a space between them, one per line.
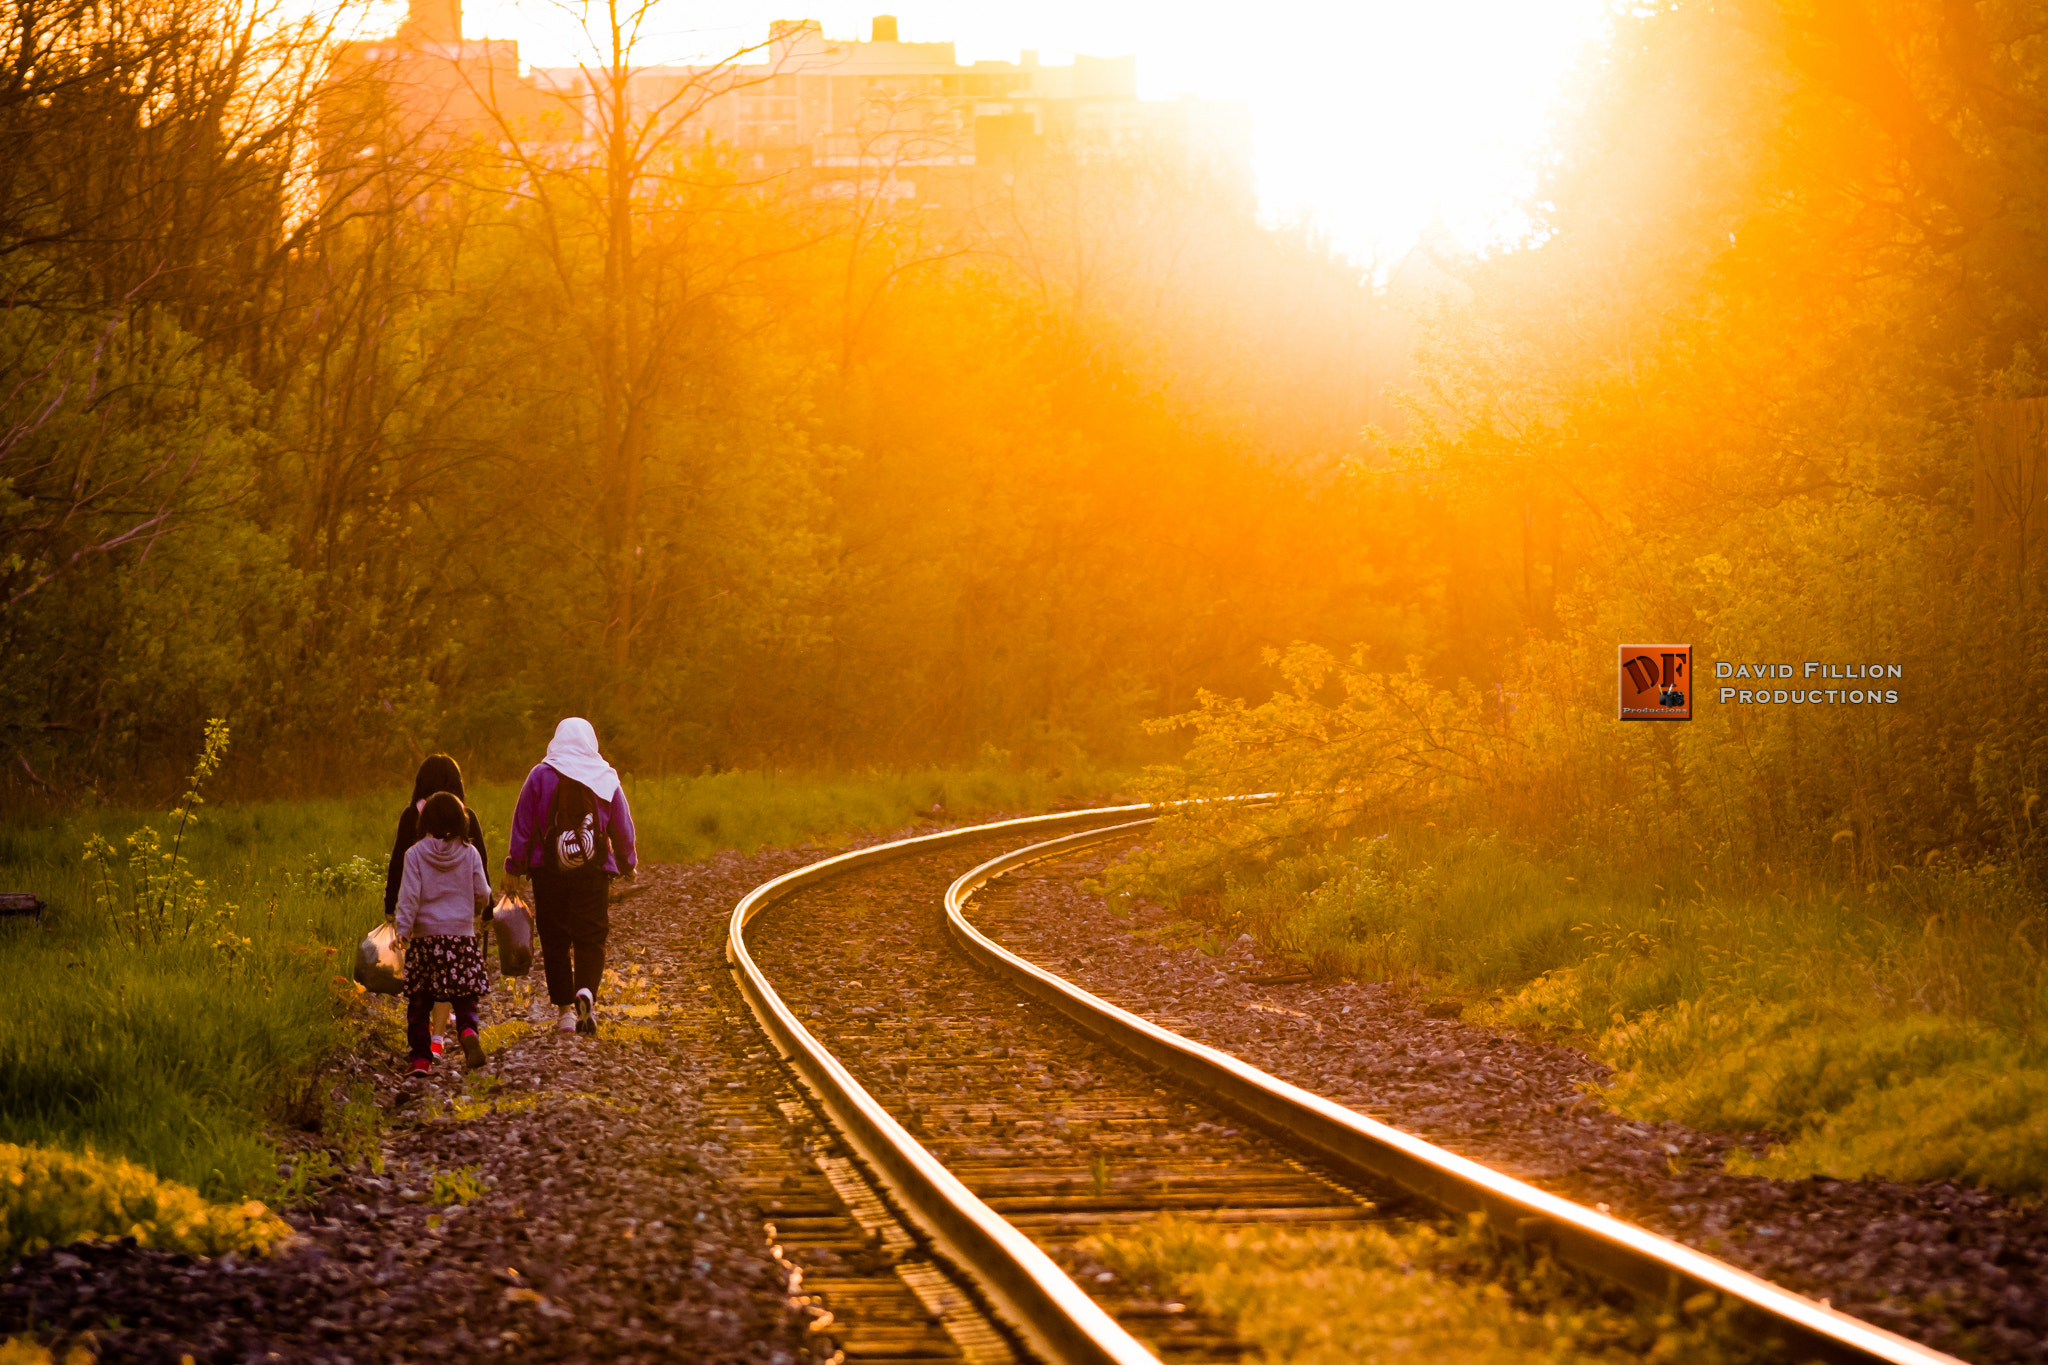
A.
pixel 380 965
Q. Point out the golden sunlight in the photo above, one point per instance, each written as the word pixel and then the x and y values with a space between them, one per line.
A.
pixel 1368 120
pixel 631 449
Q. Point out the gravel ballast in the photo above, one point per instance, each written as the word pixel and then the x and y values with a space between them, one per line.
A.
pixel 620 1194
pixel 1959 1268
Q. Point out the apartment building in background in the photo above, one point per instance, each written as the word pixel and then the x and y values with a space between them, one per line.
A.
pixel 904 121
pixel 424 88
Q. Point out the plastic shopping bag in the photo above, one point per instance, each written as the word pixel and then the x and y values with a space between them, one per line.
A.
pixel 380 966
pixel 513 921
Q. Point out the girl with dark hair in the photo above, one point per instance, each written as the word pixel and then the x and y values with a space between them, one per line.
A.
pixel 439 773
pixel 441 892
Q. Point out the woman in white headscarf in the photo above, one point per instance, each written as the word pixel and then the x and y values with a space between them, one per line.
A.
pixel 572 832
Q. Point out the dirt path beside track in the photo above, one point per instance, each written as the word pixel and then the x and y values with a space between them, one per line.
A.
pixel 626 1197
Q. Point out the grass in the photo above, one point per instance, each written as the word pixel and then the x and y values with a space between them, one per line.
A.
pixel 354 1126
pixel 1892 1030
pixel 170 1056
pixel 682 819
pixel 174 1040
pixel 1385 1292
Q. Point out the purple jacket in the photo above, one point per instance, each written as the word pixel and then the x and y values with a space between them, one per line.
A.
pixel 530 825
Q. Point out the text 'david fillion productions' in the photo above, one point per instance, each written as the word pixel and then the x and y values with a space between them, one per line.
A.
pixel 1656 682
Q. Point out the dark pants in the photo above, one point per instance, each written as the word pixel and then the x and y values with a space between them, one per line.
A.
pixel 419 1008
pixel 572 915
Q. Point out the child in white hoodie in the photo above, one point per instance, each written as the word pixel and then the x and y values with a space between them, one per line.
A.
pixel 442 892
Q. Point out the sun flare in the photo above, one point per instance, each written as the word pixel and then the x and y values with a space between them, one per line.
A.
pixel 1369 120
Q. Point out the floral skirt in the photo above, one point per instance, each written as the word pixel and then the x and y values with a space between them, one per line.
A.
pixel 443 966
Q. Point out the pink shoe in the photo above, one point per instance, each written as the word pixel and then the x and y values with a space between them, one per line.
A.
pixel 421 1066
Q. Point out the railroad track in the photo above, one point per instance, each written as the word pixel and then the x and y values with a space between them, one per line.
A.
pixel 1006 1120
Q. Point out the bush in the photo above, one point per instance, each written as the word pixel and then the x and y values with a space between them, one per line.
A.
pixel 26 1351
pixel 1370 918
pixel 1785 1067
pixel 49 1198
pixel 1982 1123
pixel 357 874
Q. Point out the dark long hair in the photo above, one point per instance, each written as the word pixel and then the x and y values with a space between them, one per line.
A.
pixel 444 817
pixel 438 774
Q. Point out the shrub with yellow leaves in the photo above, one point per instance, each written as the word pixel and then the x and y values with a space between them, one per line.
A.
pixel 26 1351
pixel 49 1197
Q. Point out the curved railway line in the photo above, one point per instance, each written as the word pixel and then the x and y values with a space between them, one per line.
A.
pixel 1006 1114
pixel 946 1125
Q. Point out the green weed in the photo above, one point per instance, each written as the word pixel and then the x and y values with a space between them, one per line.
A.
pixel 495 1037
pixel 347 878
pixel 302 1183
pixel 182 991
pixel 153 895
pixel 464 1185
pixel 476 1105
pixel 481 1095
pixel 355 1128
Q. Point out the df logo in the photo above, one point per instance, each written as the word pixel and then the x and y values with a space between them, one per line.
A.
pixel 1656 682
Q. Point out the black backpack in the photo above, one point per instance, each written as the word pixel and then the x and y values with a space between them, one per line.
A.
pixel 576 840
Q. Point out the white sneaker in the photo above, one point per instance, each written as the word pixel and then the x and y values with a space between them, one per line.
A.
pixel 567 1023
pixel 586 1013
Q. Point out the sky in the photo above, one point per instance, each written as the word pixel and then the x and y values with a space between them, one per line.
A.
pixel 1370 119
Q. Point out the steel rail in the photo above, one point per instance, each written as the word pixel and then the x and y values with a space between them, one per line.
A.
pixel 1363 1147
pixel 1025 1287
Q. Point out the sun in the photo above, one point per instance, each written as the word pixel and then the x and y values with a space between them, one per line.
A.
pixel 1370 119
